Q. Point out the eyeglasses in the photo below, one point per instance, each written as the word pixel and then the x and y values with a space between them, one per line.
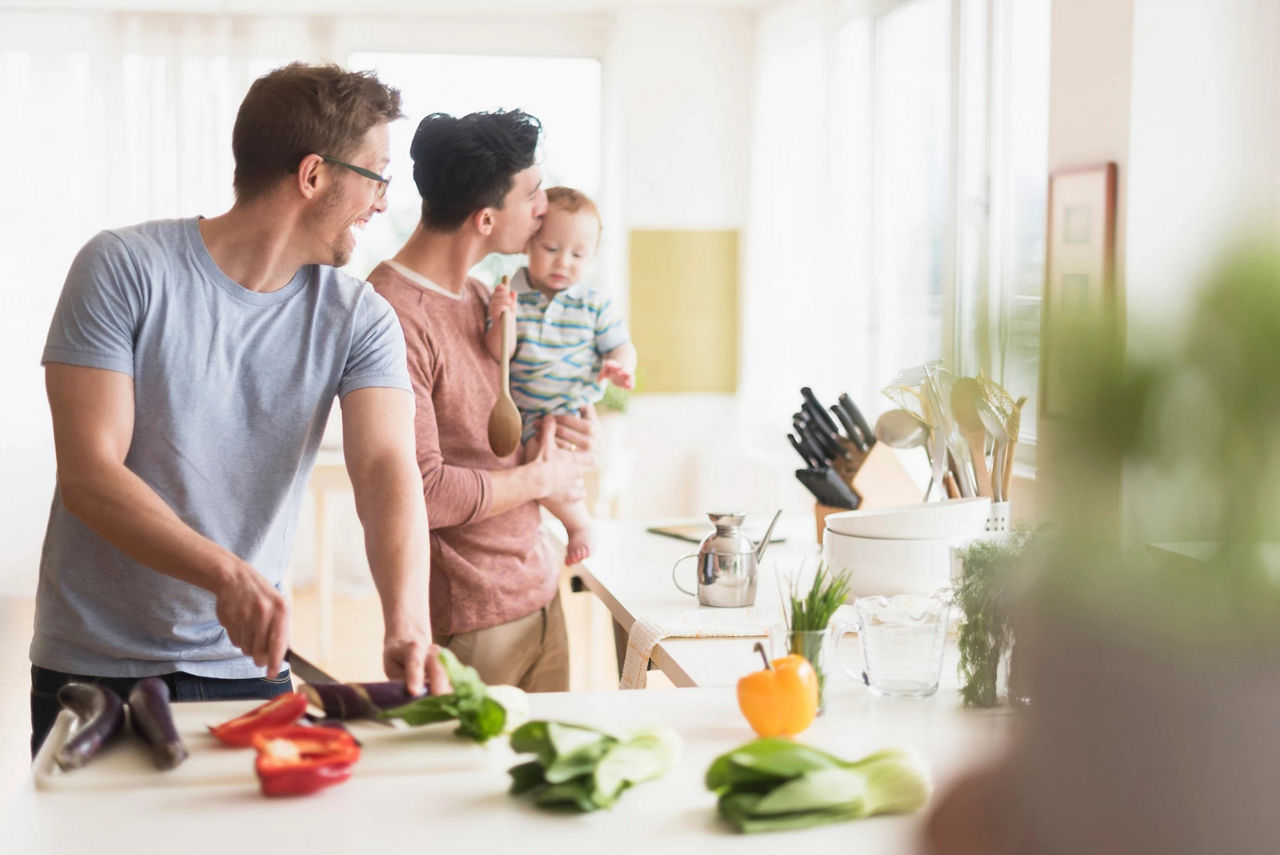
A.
pixel 367 173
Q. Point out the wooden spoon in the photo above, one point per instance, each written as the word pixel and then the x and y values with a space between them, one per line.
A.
pixel 1015 427
pixel 964 406
pixel 504 420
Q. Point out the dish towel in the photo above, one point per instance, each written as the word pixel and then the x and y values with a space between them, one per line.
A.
pixel 685 623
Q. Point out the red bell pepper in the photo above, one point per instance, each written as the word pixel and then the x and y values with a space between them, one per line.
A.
pixel 297 760
pixel 279 711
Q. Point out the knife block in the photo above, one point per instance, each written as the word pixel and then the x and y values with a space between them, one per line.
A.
pixel 879 479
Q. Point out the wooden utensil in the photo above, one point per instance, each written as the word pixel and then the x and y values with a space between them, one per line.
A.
pixel 504 420
pixel 964 406
pixel 1015 427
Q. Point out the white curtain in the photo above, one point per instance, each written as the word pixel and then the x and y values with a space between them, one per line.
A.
pixel 805 318
pixel 105 115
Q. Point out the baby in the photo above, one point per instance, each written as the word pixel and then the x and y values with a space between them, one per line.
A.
pixel 569 339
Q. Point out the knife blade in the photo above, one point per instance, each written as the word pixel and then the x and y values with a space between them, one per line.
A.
pixel 854 413
pixel 851 429
pixel 306 670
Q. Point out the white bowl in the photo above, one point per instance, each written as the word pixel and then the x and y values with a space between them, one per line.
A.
pixel 882 566
pixel 923 521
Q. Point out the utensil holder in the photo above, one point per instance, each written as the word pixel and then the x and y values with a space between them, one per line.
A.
pixel 998 519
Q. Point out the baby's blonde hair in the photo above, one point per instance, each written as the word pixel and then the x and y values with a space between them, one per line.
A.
pixel 572 201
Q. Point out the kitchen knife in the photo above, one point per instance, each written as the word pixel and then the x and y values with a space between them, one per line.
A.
pixel 851 409
pixel 808 444
pixel 816 411
pixel 809 459
pixel 851 429
pixel 305 670
pixel 826 446
pixel 827 487
pixel 828 436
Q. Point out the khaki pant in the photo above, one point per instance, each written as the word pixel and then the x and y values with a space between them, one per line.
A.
pixel 531 652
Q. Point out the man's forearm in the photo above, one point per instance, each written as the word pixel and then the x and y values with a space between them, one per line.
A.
pixel 513 487
pixel 389 504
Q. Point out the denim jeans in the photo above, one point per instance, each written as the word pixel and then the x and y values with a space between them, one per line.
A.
pixel 182 687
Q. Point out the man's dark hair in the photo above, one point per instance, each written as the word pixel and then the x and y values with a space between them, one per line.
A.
pixel 301 109
pixel 464 164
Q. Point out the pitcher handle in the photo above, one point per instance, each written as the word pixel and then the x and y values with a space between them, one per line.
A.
pixel 839 629
pixel 682 588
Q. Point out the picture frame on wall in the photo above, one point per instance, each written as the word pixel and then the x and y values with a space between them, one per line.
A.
pixel 1079 288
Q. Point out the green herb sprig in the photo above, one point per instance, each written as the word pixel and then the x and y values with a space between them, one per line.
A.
pixel 985 594
pixel 815 609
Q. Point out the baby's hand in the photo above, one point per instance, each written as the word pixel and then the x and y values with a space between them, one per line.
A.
pixel 612 370
pixel 501 301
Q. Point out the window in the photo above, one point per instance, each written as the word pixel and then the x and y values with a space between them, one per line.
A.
pixel 956 131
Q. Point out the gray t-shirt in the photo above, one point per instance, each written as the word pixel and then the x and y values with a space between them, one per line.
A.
pixel 231 392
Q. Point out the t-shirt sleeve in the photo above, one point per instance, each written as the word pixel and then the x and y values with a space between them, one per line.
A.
pixel 377 356
pixel 610 331
pixel 99 310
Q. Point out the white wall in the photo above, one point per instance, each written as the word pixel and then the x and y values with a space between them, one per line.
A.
pixel 1204 143
pixel 1185 97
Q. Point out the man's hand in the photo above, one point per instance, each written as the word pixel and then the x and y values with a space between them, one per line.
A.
pixel 561 466
pixel 414 661
pixel 578 433
pixel 255 616
pixel 617 374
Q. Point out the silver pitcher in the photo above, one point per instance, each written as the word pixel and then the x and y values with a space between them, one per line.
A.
pixel 727 564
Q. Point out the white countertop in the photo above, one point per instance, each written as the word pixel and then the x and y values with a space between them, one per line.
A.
pixel 448 809
pixel 443 811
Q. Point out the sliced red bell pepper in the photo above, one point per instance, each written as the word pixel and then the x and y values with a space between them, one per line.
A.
pixel 297 760
pixel 279 711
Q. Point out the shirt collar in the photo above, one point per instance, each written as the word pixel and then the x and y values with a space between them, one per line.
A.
pixel 520 285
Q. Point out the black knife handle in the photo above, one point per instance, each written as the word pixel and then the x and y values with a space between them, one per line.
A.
pixel 854 413
pixel 815 409
pixel 820 439
pixel 828 436
pixel 809 444
pixel 851 429
pixel 808 459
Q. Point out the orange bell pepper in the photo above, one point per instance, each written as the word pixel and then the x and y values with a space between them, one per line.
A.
pixel 781 700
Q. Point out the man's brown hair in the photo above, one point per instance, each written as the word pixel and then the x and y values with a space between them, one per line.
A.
pixel 301 109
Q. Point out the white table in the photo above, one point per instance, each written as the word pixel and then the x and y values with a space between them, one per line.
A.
pixel 630 573
pixel 443 812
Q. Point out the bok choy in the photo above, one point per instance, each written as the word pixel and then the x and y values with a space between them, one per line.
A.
pixel 776 784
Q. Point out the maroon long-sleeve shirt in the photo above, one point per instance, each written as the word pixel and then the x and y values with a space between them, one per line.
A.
pixel 483 571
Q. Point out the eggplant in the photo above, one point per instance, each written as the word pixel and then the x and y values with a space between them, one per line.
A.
pixel 151 718
pixel 100 715
pixel 345 701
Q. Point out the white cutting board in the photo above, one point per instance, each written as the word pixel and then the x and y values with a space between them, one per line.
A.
pixel 384 751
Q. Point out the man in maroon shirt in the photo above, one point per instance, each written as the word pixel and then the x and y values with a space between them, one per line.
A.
pixel 494 583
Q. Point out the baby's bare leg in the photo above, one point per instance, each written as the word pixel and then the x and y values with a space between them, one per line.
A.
pixel 577 522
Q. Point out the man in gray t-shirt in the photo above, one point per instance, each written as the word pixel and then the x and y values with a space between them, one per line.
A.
pixel 191 365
